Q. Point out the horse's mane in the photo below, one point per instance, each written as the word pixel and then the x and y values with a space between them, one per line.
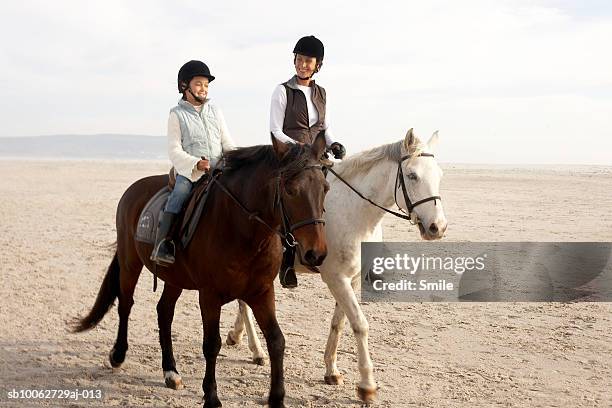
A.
pixel 362 162
pixel 263 155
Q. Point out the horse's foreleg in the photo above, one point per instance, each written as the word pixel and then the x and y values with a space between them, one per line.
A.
pixel 265 314
pixel 332 374
pixel 165 315
pixel 211 312
pixel 344 294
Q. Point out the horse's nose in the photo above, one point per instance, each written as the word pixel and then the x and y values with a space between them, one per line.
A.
pixel 437 229
pixel 314 258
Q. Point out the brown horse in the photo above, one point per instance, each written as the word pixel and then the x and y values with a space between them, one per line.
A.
pixel 235 252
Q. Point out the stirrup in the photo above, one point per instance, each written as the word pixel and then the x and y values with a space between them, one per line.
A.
pixel 287 278
pixel 163 258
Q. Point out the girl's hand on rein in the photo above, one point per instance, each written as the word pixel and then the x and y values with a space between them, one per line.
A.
pixel 203 165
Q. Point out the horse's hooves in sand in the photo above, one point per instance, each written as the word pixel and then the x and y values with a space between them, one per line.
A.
pixel 334 379
pixel 115 362
pixel 213 404
pixel 230 340
pixel 368 396
pixel 173 380
pixel 260 361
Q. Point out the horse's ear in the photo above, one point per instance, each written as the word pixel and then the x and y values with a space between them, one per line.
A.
pixel 432 144
pixel 410 140
pixel 280 148
pixel 319 145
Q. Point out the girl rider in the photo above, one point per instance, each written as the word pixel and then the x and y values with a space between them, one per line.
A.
pixel 197 137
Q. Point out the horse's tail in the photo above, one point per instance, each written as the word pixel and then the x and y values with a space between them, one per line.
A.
pixel 107 294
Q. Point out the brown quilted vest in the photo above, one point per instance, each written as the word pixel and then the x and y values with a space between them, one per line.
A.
pixel 295 124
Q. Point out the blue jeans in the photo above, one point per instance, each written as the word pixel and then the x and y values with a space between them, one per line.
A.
pixel 179 194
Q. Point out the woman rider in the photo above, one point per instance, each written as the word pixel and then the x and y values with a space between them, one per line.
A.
pixel 297 115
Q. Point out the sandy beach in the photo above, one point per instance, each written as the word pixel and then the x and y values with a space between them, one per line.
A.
pixel 57 224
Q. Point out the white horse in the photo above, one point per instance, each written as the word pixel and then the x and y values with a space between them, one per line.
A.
pixel 352 220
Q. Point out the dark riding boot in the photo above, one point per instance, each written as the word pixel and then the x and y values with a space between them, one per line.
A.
pixel 287 272
pixel 163 251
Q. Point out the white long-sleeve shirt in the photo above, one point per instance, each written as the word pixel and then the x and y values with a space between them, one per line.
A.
pixel 184 163
pixel 277 114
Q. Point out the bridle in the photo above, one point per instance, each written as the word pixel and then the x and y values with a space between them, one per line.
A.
pixel 399 183
pixel 287 228
pixel 399 179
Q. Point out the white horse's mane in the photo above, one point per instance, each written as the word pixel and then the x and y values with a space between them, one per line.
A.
pixel 362 162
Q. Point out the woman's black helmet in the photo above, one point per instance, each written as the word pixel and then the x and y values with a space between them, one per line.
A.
pixel 190 70
pixel 310 46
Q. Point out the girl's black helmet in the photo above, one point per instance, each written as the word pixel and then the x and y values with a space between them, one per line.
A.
pixel 190 70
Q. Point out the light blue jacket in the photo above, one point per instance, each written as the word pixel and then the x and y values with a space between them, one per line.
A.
pixel 202 134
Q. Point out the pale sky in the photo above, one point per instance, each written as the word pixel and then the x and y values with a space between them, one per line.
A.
pixel 502 81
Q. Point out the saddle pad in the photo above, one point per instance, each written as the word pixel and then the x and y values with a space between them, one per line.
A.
pixel 149 217
pixel 188 219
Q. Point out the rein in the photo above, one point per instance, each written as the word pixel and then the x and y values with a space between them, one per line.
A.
pixel 399 182
pixel 287 228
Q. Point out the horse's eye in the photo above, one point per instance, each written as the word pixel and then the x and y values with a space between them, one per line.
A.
pixel 412 176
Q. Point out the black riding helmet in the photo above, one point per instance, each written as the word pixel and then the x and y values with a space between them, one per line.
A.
pixel 190 70
pixel 310 46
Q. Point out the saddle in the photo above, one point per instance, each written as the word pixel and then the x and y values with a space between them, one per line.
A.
pixel 187 220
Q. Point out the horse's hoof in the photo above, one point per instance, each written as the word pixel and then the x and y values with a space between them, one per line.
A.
pixel 115 363
pixel 368 396
pixel 173 380
pixel 334 379
pixel 230 340
pixel 276 404
pixel 212 403
pixel 260 361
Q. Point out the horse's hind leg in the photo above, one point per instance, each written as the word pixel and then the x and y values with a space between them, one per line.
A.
pixel 211 313
pixel 130 271
pixel 165 315
pixel 244 319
